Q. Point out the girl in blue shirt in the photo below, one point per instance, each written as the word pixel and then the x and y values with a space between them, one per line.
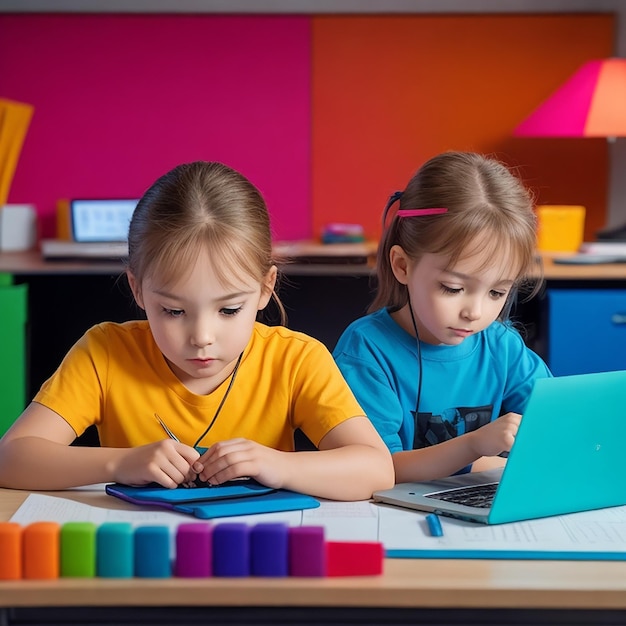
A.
pixel 436 365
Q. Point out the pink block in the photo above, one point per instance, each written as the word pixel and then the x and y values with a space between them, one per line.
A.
pixel 357 558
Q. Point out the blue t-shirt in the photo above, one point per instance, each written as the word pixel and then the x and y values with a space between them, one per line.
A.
pixel 463 387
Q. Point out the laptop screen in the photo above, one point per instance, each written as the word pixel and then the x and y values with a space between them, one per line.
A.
pixel 101 220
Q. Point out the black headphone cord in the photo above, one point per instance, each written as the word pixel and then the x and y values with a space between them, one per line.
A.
pixel 419 375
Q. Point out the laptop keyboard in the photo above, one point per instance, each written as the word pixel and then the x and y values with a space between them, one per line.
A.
pixel 480 496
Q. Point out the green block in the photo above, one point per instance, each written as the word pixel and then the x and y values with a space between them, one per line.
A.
pixel 13 315
pixel 78 549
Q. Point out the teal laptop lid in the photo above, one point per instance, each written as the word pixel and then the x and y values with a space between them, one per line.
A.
pixel 567 457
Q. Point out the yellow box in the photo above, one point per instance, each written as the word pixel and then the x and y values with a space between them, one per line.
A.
pixel 560 227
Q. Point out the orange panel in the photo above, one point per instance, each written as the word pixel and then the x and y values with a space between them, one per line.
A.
pixel 389 92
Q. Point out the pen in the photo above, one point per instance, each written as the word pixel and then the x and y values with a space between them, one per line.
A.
pixel 197 482
pixel 172 436
pixel 169 433
pixel 434 525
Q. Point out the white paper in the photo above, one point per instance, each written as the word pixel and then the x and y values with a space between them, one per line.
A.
pixel 601 531
pixel 39 508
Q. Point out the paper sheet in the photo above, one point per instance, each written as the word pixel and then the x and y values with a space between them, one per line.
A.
pixel 592 534
pixel 343 521
pixel 601 532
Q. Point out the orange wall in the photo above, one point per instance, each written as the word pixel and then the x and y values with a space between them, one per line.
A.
pixel 390 92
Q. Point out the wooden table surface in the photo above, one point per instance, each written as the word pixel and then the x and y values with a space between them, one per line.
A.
pixel 411 583
pixel 31 262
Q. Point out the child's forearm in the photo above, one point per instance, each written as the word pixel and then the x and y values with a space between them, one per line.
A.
pixel 351 472
pixel 435 461
pixel 39 464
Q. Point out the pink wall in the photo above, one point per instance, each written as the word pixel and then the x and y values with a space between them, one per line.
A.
pixel 120 99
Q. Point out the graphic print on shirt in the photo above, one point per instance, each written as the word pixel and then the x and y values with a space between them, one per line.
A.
pixel 433 429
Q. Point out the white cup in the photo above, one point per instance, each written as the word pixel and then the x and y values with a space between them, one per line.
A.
pixel 18 227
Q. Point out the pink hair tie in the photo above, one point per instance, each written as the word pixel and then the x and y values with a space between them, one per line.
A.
pixel 420 212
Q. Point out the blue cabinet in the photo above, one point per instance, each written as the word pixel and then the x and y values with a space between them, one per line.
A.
pixel 586 330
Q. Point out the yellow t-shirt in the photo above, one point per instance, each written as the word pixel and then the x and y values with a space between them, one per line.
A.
pixel 116 378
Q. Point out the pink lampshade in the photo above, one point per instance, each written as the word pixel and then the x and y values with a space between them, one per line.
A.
pixel 591 103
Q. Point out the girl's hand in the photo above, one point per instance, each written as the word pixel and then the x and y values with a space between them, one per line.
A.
pixel 167 462
pixel 239 458
pixel 497 436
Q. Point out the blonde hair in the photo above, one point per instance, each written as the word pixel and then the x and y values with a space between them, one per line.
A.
pixel 201 205
pixel 488 208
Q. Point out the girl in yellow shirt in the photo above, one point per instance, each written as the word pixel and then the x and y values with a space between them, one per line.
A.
pixel 229 389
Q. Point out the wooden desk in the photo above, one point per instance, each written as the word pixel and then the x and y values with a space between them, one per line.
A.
pixel 440 591
pixel 410 591
pixel 31 263
pixel 293 258
pixel 565 272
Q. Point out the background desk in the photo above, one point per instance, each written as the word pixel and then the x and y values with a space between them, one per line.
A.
pixel 582 315
pixel 409 592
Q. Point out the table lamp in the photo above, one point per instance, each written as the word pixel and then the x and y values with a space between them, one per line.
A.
pixel 591 103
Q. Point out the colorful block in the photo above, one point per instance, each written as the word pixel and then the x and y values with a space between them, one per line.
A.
pixel 11 551
pixel 357 558
pixel 269 549
pixel 152 552
pixel 231 549
pixel 78 549
pixel 41 551
pixel 307 551
pixel 194 554
pixel 115 548
pixel 47 550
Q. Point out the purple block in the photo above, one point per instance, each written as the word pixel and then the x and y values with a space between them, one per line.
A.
pixel 269 549
pixel 152 552
pixel 231 549
pixel 194 557
pixel 307 551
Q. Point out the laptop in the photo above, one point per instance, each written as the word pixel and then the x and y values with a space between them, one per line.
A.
pixel 568 456
pixel 99 230
pixel 87 250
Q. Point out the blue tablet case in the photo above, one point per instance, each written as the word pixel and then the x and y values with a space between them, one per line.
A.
pixel 237 497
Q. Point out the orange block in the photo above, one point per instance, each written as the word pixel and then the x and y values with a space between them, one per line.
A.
pixel 11 551
pixel 41 550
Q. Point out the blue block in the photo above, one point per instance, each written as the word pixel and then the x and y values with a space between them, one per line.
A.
pixel 269 549
pixel 115 550
pixel 152 552
pixel 231 549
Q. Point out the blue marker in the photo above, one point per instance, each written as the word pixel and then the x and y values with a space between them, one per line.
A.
pixel 434 525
